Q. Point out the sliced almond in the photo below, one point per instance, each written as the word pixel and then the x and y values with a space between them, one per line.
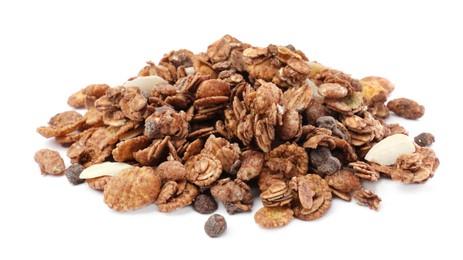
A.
pixel 104 169
pixel 387 150
pixel 132 133
pixel 315 68
pixel 190 70
pixel 146 84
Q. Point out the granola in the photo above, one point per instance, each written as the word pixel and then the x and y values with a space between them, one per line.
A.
pixel 196 127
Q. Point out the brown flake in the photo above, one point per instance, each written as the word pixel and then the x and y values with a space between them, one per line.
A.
pixel 298 98
pixel 50 162
pixel 134 106
pixel 342 183
pixel 132 189
pixel 291 126
pixel 62 124
pixel 98 183
pixel 95 91
pixel 125 150
pixel 273 217
pixel 251 165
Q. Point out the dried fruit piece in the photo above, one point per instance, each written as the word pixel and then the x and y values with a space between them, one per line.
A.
pixel 104 169
pixel 322 160
pixel 73 173
pixel 132 188
pixel 406 108
pixel 273 217
pixel 424 139
pixel 215 225
pixel 367 198
pixel 49 161
pixel 205 204
pixel 387 150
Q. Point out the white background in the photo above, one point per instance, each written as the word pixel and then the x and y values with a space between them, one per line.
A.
pixel 48 50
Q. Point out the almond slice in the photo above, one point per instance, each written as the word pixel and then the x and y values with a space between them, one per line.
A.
pixel 104 169
pixel 132 133
pixel 146 84
pixel 387 150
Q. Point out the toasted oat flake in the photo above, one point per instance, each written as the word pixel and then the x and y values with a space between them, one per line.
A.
pixel 50 162
pixel 132 188
pixel 273 217
pixel 98 183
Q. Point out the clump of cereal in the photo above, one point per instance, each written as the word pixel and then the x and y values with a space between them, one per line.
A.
pixel 233 124
pixel 367 198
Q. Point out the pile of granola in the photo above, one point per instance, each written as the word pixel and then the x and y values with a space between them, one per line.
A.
pixel 196 128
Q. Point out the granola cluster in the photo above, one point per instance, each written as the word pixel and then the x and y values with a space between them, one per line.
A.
pixel 196 128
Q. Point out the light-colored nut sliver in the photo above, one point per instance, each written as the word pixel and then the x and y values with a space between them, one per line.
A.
pixel 146 84
pixel 387 150
pixel 103 169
